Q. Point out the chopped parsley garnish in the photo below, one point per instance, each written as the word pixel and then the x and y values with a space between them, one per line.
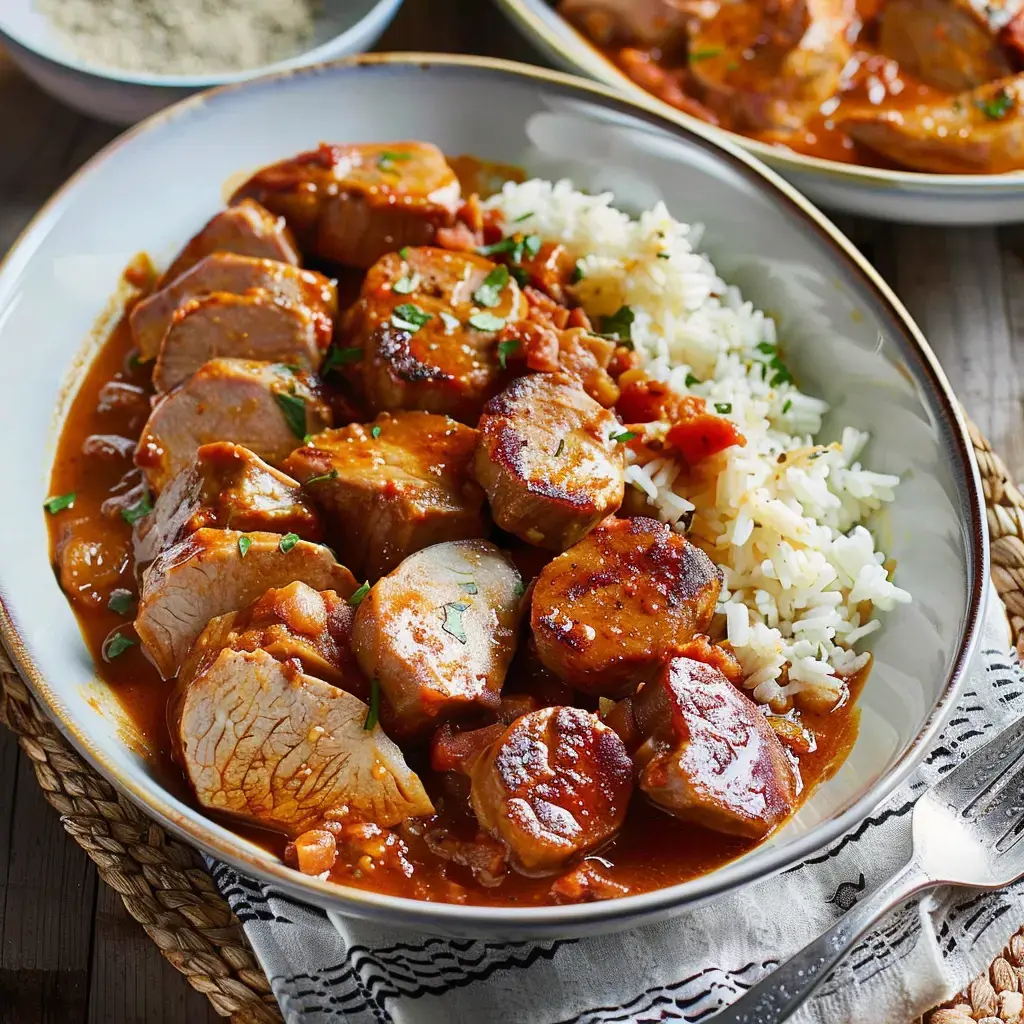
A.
pixel 409 317
pixel 452 624
pixel 59 503
pixel 787 405
pixel 619 324
pixel 404 252
pixel 781 375
pixel 489 293
pixel 505 349
pixel 664 255
pixel 626 435
pixel 120 601
pixel 406 284
pixel 451 323
pixel 387 160
pixel 287 542
pixel 723 408
pixel 706 54
pixel 373 712
pixel 357 598
pixel 996 107
pixel 577 273
pixel 139 510
pixel 469 587
pixel 561 447
pixel 294 409
pixel 287 368
pixel 691 380
pixel 342 357
pixel 375 431
pixel 519 589
pixel 516 246
pixel 486 322
pixel 522 217
pixel 767 348
pixel 521 275
pixel 321 477
pixel 244 543
pixel 114 646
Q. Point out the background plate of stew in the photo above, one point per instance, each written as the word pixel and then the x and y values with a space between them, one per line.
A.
pixel 819 158
pixel 848 340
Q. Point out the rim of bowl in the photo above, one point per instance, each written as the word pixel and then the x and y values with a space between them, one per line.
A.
pixel 381 12
pixel 222 844
pixel 587 59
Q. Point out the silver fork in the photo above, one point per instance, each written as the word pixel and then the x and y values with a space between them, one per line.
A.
pixel 968 830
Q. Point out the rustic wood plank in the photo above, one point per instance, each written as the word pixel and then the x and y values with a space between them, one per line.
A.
pixel 130 980
pixel 47 926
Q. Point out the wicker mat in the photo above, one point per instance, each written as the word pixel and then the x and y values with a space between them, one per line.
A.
pixel 166 888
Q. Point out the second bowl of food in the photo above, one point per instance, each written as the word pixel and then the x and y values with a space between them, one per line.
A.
pixel 510 514
pixel 901 109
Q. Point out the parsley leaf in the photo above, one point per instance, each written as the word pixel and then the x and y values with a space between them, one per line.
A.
pixel 619 324
pixel 115 645
pixel 373 712
pixel 452 624
pixel 787 405
pixel 244 543
pixel 61 502
pixel 489 293
pixel 516 246
pixel 139 510
pixel 320 478
pixel 387 160
pixel 486 322
pixel 996 107
pixel 723 408
pixel 375 431
pixel 120 601
pixel 522 217
pixel 342 357
pixel 409 317
pixel 626 435
pixel 505 349
pixel 287 542
pixel 577 274
pixel 691 380
pixel 294 409
pixel 561 447
pixel 357 597
pixel 706 54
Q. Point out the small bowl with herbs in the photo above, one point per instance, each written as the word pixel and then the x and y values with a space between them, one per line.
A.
pixel 122 60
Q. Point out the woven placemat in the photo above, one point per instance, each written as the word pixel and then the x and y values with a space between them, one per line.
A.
pixel 165 885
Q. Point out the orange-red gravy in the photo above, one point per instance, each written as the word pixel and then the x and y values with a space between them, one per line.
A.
pixel 653 849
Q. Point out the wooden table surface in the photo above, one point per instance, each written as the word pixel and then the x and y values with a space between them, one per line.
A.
pixel 69 952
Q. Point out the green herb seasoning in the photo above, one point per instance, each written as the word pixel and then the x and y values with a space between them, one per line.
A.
pixel 404 252
pixel 787 405
pixel 578 273
pixel 375 431
pixel 120 601
pixel 515 246
pixel 521 275
pixel 519 589
pixel 766 348
pixel 691 380
pixel 619 324
pixel 469 588
pixel 664 255
pixel 406 284
pixel 59 503
pixel 996 107
pixel 453 620
pixel 357 598
pixel 505 349
pixel 626 435
pixel 320 478
pixel 373 712
pixel 723 408
pixel 409 317
pixel 139 510
pixel 244 543
pixel 489 293
pixel 114 646
pixel 342 357
pixel 522 217
pixel 707 53
pixel 486 322
pixel 387 160
pixel 293 407
pixel 561 447
pixel 287 542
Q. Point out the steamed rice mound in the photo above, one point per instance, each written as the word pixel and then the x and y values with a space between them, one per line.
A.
pixel 783 516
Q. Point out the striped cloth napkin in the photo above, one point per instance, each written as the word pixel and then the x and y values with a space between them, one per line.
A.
pixel 327 968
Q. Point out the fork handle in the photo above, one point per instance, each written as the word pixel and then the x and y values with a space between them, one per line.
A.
pixel 783 991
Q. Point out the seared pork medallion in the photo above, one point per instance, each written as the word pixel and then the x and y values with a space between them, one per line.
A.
pixel 353 204
pixel 517 581
pixel 925 85
pixel 391 487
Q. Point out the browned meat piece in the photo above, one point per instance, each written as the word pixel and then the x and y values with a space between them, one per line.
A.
pixel 294 622
pixel 264 743
pixel 265 407
pixel 226 486
pixel 548 458
pixel 392 487
pixel 226 272
pixel 251 326
pixel 658 23
pixel 609 610
pixel 555 786
pixel 440 631
pixel 212 573
pixel 424 331
pixel 951 44
pixel 980 132
pixel 586 884
pixel 247 230
pixel 353 204
pixel 710 756
pixel 770 67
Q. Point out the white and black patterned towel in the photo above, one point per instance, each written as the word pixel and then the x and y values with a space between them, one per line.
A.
pixel 332 969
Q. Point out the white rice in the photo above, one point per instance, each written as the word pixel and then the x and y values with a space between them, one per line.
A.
pixel 782 516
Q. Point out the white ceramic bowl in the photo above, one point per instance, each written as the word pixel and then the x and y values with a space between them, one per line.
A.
pixel 846 337
pixel 343 28
pixel 949 199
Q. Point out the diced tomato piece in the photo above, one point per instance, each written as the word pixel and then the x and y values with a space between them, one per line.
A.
pixel 645 401
pixel 703 435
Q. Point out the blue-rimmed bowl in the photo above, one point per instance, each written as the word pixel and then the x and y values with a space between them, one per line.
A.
pixel 846 337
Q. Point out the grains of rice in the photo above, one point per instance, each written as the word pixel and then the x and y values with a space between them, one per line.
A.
pixel 782 515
